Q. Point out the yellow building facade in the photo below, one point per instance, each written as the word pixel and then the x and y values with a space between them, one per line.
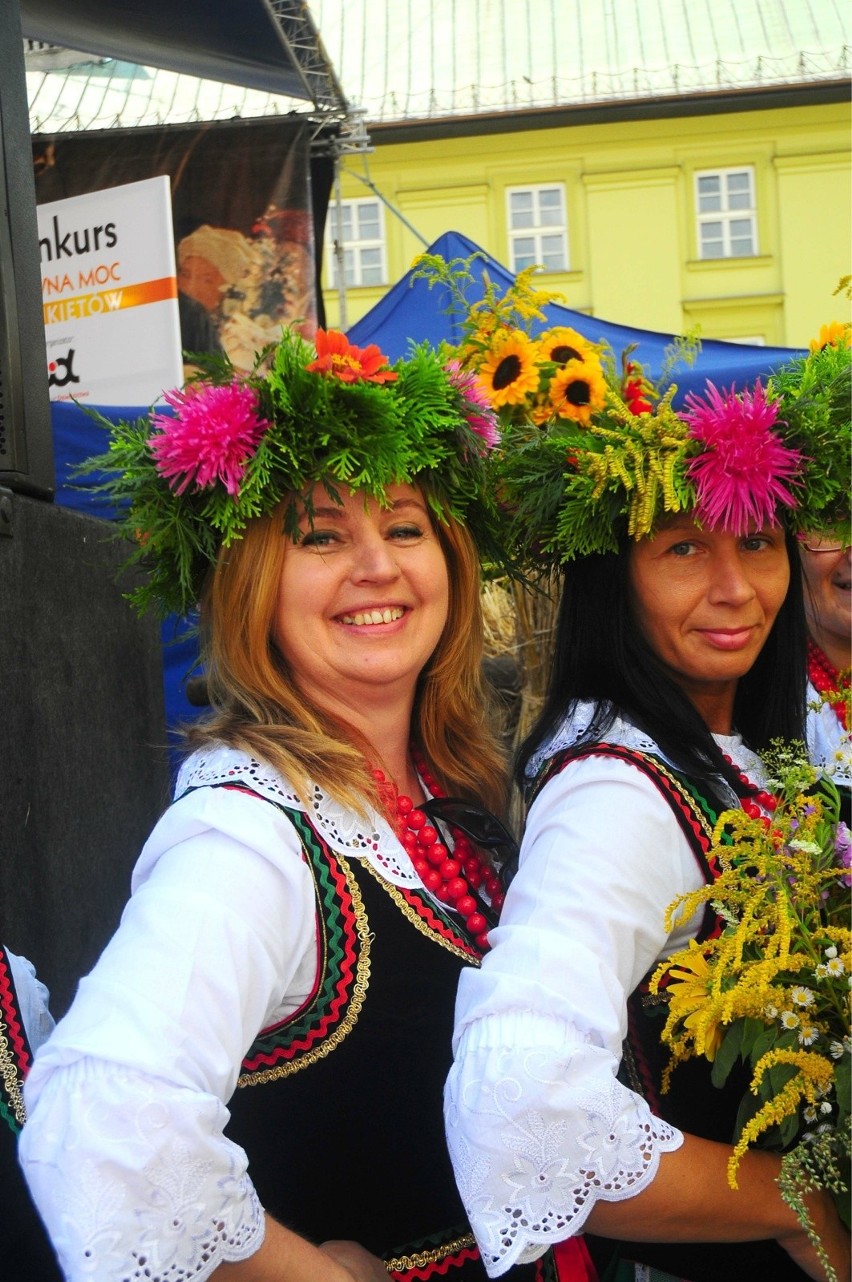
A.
pixel 737 223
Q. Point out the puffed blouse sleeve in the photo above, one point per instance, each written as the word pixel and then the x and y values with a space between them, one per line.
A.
pixel 123 1148
pixel 538 1126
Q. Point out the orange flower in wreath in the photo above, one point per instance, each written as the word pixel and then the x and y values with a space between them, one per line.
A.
pixel 834 334
pixel 341 359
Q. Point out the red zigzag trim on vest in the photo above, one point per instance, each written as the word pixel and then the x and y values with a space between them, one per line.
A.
pixel 11 1017
pixel 439 1269
pixel 434 922
pixel 342 988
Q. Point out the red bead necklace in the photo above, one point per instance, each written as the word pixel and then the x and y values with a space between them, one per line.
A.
pixel 452 876
pixel 825 679
pixel 759 801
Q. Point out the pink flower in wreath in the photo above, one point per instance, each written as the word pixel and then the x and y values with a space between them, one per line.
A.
pixel 476 407
pixel 742 474
pixel 215 431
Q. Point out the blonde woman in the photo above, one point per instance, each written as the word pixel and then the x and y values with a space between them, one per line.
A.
pixel 248 1084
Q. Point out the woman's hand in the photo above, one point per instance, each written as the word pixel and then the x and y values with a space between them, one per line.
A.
pixel 285 1257
pixel 832 1234
pixel 363 1266
pixel 673 1208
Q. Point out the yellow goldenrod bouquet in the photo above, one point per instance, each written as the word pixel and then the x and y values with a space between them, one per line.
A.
pixel 772 988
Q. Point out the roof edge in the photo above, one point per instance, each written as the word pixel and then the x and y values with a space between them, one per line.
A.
pixel 719 102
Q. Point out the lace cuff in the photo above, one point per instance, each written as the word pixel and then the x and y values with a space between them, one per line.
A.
pixel 135 1181
pixel 537 1136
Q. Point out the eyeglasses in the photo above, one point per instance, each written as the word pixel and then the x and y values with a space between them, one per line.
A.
pixel 813 543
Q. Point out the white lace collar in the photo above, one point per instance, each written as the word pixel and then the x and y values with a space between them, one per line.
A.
pixel 374 841
pixel 623 732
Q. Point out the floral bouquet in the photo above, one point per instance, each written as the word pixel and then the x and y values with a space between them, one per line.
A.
pixel 771 988
pixel 528 373
pixel 532 374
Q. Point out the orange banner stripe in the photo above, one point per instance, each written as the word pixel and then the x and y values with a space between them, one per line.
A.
pixel 62 310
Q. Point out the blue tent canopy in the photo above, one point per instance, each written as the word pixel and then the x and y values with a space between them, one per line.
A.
pixel 411 310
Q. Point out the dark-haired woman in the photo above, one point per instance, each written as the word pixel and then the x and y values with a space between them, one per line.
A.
pixel 679 655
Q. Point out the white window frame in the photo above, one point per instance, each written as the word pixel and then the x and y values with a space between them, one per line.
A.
pixel 356 245
pixel 727 214
pixel 538 229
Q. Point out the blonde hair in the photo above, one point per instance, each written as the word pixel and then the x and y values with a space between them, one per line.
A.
pixel 258 708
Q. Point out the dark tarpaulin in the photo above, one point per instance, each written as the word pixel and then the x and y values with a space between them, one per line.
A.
pixel 239 42
pixel 411 310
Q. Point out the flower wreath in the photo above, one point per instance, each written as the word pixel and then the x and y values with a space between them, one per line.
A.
pixel 592 451
pixel 815 395
pixel 736 459
pixel 235 447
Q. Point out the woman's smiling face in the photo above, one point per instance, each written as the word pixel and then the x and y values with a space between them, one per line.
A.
pixel 706 601
pixel 363 598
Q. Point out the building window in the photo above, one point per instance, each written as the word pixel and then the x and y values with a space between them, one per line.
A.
pixel 727 217
pixel 538 228
pixel 359 226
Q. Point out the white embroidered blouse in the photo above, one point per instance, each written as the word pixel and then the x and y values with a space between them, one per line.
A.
pixel 538 1126
pixel 123 1149
pixel 829 745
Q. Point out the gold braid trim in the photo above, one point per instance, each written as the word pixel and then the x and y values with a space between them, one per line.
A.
pixel 414 917
pixel 359 992
pixel 422 1258
pixel 9 1074
pixel 690 800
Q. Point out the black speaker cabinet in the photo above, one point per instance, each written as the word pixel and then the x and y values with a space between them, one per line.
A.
pixel 26 442
pixel 83 772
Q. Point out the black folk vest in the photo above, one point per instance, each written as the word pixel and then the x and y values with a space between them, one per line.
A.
pixel 25 1251
pixel 339 1106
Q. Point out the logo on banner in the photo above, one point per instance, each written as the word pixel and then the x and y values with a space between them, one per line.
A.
pixel 61 370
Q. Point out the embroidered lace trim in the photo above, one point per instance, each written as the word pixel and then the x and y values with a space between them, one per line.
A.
pixel 344 831
pixel 548 1171
pixel 624 733
pixel 191 1207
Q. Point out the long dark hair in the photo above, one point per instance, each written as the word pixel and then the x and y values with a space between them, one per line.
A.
pixel 602 656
